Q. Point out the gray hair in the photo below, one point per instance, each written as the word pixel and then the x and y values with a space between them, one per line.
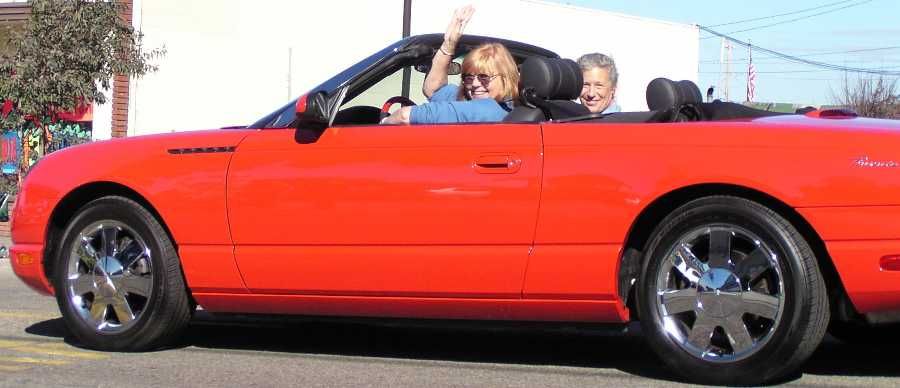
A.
pixel 603 61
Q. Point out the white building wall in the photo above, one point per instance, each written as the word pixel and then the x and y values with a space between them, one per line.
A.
pixel 227 60
pixel 101 128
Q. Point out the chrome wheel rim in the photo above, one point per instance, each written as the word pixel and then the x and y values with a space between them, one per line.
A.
pixel 720 293
pixel 109 278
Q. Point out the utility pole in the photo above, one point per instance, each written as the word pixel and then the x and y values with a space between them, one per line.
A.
pixel 290 58
pixel 407 75
pixel 725 66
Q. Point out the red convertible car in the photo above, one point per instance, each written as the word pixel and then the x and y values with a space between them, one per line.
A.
pixel 735 236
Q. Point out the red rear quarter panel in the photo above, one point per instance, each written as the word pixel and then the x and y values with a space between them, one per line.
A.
pixel 842 175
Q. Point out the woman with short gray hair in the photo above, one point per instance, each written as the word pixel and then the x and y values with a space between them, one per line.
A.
pixel 600 81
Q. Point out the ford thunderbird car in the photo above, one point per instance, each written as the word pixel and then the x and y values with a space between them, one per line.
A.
pixel 735 236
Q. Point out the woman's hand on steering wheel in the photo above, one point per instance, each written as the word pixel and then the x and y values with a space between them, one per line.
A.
pixel 404 101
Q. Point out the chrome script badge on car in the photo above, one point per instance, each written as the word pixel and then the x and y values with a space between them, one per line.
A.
pixel 865 162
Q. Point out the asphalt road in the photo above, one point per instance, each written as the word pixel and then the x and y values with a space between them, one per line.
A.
pixel 36 350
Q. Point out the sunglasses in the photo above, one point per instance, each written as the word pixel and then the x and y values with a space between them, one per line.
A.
pixel 484 79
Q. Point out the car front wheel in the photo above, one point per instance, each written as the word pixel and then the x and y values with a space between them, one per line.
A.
pixel 118 279
pixel 731 293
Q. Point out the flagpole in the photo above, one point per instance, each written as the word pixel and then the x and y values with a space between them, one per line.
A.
pixel 751 74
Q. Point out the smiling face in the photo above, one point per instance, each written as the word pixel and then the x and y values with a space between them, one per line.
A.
pixel 479 86
pixel 597 92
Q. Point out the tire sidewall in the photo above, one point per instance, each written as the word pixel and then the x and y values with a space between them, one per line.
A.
pixel 767 362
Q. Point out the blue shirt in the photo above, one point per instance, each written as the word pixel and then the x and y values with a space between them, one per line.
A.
pixel 443 107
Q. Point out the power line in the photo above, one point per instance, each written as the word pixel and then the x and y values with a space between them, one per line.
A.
pixel 812 79
pixel 795 19
pixel 816 54
pixel 766 72
pixel 802 78
pixel 871 64
pixel 809 79
pixel 778 71
pixel 801 60
pixel 782 14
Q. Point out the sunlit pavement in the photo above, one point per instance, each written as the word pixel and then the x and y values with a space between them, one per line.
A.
pixel 36 350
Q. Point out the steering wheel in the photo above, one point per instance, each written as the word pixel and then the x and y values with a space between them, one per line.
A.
pixel 385 109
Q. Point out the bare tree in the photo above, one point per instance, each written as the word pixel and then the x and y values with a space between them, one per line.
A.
pixel 871 96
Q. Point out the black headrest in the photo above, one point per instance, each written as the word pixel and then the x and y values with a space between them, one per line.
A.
pixel 663 93
pixel 551 78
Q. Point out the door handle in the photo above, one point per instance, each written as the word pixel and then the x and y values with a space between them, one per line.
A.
pixel 497 164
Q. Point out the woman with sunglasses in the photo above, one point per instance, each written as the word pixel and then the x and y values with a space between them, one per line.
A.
pixel 490 82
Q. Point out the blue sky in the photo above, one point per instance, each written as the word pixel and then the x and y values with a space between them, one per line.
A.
pixel 860 25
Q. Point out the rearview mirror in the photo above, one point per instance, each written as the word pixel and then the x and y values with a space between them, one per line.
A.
pixel 312 111
pixel 454 69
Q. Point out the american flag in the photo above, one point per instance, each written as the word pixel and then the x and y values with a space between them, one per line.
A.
pixel 751 75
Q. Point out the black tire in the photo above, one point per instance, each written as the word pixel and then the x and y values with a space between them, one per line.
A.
pixel 157 310
pixel 766 256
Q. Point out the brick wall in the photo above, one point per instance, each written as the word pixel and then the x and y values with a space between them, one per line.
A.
pixel 121 91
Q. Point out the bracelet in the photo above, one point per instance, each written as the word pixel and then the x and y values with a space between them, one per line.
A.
pixel 444 52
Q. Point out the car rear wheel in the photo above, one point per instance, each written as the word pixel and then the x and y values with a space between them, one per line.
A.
pixel 118 280
pixel 731 293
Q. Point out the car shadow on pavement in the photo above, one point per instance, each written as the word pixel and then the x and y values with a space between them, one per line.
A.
pixel 612 347
pixel 50 328
pixel 476 342
pixel 835 358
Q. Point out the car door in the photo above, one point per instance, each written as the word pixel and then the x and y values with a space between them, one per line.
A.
pixel 424 210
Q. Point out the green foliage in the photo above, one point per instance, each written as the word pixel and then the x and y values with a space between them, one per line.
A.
pixel 8 35
pixel 68 48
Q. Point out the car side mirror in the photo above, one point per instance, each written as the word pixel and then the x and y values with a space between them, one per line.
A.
pixel 312 111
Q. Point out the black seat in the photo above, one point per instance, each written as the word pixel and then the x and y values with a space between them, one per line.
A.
pixel 681 99
pixel 547 87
